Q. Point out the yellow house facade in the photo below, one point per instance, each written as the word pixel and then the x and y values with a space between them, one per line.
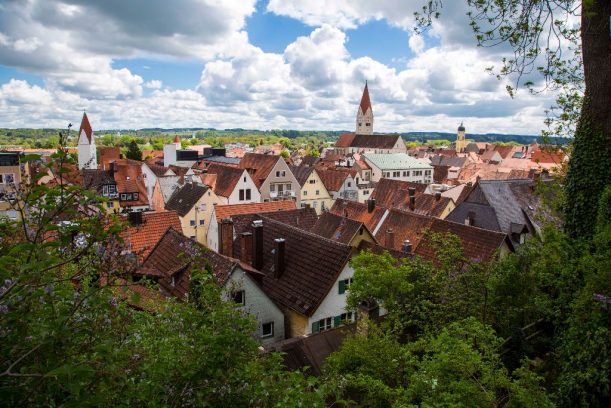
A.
pixel 194 204
pixel 312 189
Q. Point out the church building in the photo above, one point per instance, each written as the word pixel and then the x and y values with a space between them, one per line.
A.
pixel 87 155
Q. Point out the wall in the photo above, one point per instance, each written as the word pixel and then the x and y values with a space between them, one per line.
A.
pixel 309 196
pixel 244 183
pixel 257 303
pixel 200 232
pixel 298 324
pixel 333 304
pixel 286 179
pixel 212 235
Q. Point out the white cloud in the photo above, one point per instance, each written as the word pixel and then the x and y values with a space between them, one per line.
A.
pixel 314 84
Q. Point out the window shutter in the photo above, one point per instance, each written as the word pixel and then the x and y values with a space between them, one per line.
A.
pixel 342 287
pixel 315 327
pixel 337 321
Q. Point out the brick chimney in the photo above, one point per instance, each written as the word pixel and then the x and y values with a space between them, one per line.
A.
pixel 412 198
pixel 390 238
pixel 257 244
pixel 246 247
pixel 279 261
pixel 371 205
pixel 226 237
pixel 135 218
pixel 437 196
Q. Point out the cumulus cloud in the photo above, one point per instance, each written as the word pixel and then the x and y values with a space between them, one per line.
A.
pixel 313 84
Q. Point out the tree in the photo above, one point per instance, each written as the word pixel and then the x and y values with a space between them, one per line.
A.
pixel 133 151
pixel 459 366
pixel 576 60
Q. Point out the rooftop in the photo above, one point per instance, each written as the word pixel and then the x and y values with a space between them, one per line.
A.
pixel 393 161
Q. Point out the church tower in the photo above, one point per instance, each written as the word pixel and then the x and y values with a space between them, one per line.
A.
pixel 87 155
pixel 460 139
pixel 364 116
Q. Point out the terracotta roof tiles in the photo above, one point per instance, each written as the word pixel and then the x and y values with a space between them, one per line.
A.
pixel 142 238
pixel 229 211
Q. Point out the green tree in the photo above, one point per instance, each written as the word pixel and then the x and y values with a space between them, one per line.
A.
pixel 133 151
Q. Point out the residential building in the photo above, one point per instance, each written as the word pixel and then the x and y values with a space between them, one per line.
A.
pixel 339 184
pixel 399 166
pixel 507 206
pixel 240 283
pixel 11 171
pixel 224 213
pixel 145 229
pixel 233 185
pixel 306 274
pixel 87 155
pixel 272 176
pixel 313 191
pixel 194 204
pixel 409 196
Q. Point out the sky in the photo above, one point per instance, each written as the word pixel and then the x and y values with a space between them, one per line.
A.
pixel 268 64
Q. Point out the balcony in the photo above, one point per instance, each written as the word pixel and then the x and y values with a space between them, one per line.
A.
pixel 281 194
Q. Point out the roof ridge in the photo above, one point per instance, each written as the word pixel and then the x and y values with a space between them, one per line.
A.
pixel 302 231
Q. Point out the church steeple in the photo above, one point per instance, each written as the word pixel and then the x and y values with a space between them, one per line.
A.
pixel 364 115
pixel 87 155
pixel 460 139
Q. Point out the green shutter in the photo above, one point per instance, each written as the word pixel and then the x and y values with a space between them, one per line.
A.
pixel 342 287
pixel 315 327
pixel 337 321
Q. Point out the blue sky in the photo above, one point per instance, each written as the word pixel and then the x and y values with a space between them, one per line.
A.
pixel 298 64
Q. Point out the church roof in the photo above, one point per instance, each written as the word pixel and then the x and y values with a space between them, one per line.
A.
pixel 86 126
pixel 365 101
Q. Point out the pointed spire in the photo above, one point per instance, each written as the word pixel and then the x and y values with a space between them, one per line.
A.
pixel 86 126
pixel 176 139
pixel 365 101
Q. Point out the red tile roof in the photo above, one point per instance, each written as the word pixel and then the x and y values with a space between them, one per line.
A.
pixel 124 169
pixel 345 140
pixel 258 165
pixel 228 211
pixel 226 178
pixel 395 194
pixel 107 155
pixel 332 179
pixel 141 239
pixel 358 211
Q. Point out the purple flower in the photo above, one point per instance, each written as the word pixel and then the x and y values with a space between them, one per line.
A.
pixel 3 309
pixel 113 302
pixel 49 290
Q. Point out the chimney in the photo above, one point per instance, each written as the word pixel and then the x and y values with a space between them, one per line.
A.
pixel 371 205
pixel 279 263
pixel 246 247
pixel 226 237
pixel 257 244
pixel 470 220
pixel 437 196
pixel 412 198
pixel 407 246
pixel 390 238
pixel 134 218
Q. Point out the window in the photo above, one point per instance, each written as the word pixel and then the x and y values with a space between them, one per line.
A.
pixel 305 193
pixel 202 207
pixel 123 197
pixel 239 297
pixel 322 325
pixel 427 172
pixel 272 188
pixel 396 173
pixel 367 124
pixel 315 204
pixel 112 188
pixel 360 124
pixel 406 174
pixel 344 285
pixel 280 173
pixel 248 194
pixel 109 204
pixel 267 329
pixel 241 195
pixel 347 317
pixel 317 192
pixel 8 178
pixel 192 237
pixel 244 179
pixel 288 187
pixel 312 181
pixel 349 184
pixel 365 192
pixel 202 222
pixel 135 195
pixel 192 223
